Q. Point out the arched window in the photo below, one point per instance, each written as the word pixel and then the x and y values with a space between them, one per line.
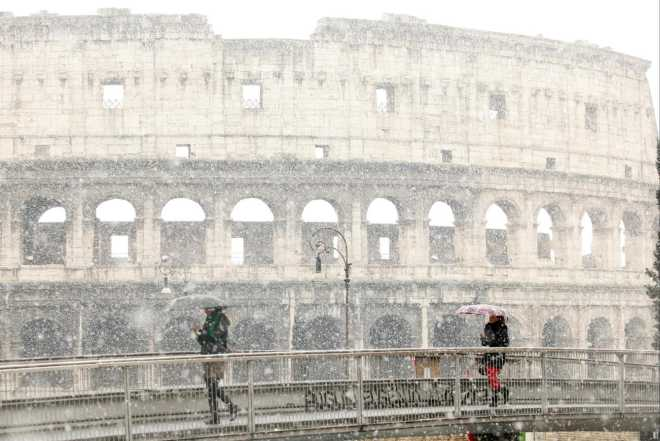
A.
pixel 599 334
pixel 497 247
pixel 383 231
pixel 390 331
pixel 183 232
pixel 114 238
pixel 441 233
pixel 586 241
pixel 557 334
pixel 42 338
pixel 322 333
pixel 44 237
pixel 251 233
pixel 318 214
pixel 636 334
pixel 544 236
pixel 453 331
pixel 250 335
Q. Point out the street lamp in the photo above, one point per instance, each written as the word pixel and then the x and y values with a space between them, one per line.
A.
pixel 320 248
pixel 168 269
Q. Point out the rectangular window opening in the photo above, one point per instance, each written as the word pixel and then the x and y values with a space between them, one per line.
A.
pixel 182 151
pixel 321 151
pixel 42 151
pixel 550 163
pixel 113 95
pixel 447 156
pixel 252 96
pixel 384 248
pixel 237 250
pixel 497 106
pixel 591 117
pixel 119 246
pixel 384 99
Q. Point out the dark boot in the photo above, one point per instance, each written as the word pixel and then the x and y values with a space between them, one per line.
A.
pixel 493 399
pixel 233 411
pixel 505 394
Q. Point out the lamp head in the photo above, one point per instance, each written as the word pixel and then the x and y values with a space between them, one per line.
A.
pixel 318 263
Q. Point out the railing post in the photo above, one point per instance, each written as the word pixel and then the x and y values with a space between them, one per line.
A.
pixel 622 383
pixel 127 404
pixel 250 397
pixel 359 401
pixel 544 384
pixel 457 386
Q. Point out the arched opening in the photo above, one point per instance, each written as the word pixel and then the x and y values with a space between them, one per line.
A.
pixel 631 244
pixel 183 232
pixel 557 334
pixel 544 236
pixel 322 333
pixel 636 335
pixel 42 338
pixel 599 334
pixel 594 239
pixel 111 335
pixel 497 246
pixel 250 335
pixel 441 233
pixel 177 336
pixel 316 215
pixel 44 232
pixel 114 238
pixel 383 231
pixel 251 233
pixel 390 331
pixel 453 331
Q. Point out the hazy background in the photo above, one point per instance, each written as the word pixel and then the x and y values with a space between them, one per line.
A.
pixel 630 26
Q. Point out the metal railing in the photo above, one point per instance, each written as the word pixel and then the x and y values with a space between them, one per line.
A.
pixel 152 396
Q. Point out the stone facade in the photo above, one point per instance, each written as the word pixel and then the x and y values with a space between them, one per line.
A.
pixel 148 109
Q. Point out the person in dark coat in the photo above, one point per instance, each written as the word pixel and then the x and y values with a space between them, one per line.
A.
pixel 495 335
pixel 212 338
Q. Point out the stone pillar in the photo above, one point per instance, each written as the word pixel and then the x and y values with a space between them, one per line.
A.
pixel 280 242
pixel 518 247
pixel 566 243
pixel 358 235
pixel 422 239
pixel 407 242
pixel 10 246
pixel 74 237
pixel 470 242
pixel 425 324
pixel 148 252
pixel 602 247
pixel 293 234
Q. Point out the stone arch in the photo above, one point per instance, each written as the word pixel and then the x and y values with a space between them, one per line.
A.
pixel 455 331
pixel 498 217
pixel 600 334
pixel 251 232
pixel 323 333
pixel 557 333
pixel 316 215
pixel 636 334
pixel 114 232
pixel 390 331
pixel 183 231
pixel 550 238
pixel 44 232
pixel 442 223
pixel 251 335
pixel 111 334
pixel 43 338
pixel 383 231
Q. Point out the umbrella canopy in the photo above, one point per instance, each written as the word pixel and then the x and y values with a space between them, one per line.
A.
pixel 481 309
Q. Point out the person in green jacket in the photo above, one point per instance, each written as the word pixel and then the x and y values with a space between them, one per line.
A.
pixel 212 338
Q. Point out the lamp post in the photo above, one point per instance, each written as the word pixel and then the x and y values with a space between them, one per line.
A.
pixel 321 248
pixel 168 269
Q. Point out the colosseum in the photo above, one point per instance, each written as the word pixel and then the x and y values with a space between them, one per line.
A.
pixel 150 166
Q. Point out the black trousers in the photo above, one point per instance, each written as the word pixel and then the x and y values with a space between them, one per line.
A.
pixel 215 373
